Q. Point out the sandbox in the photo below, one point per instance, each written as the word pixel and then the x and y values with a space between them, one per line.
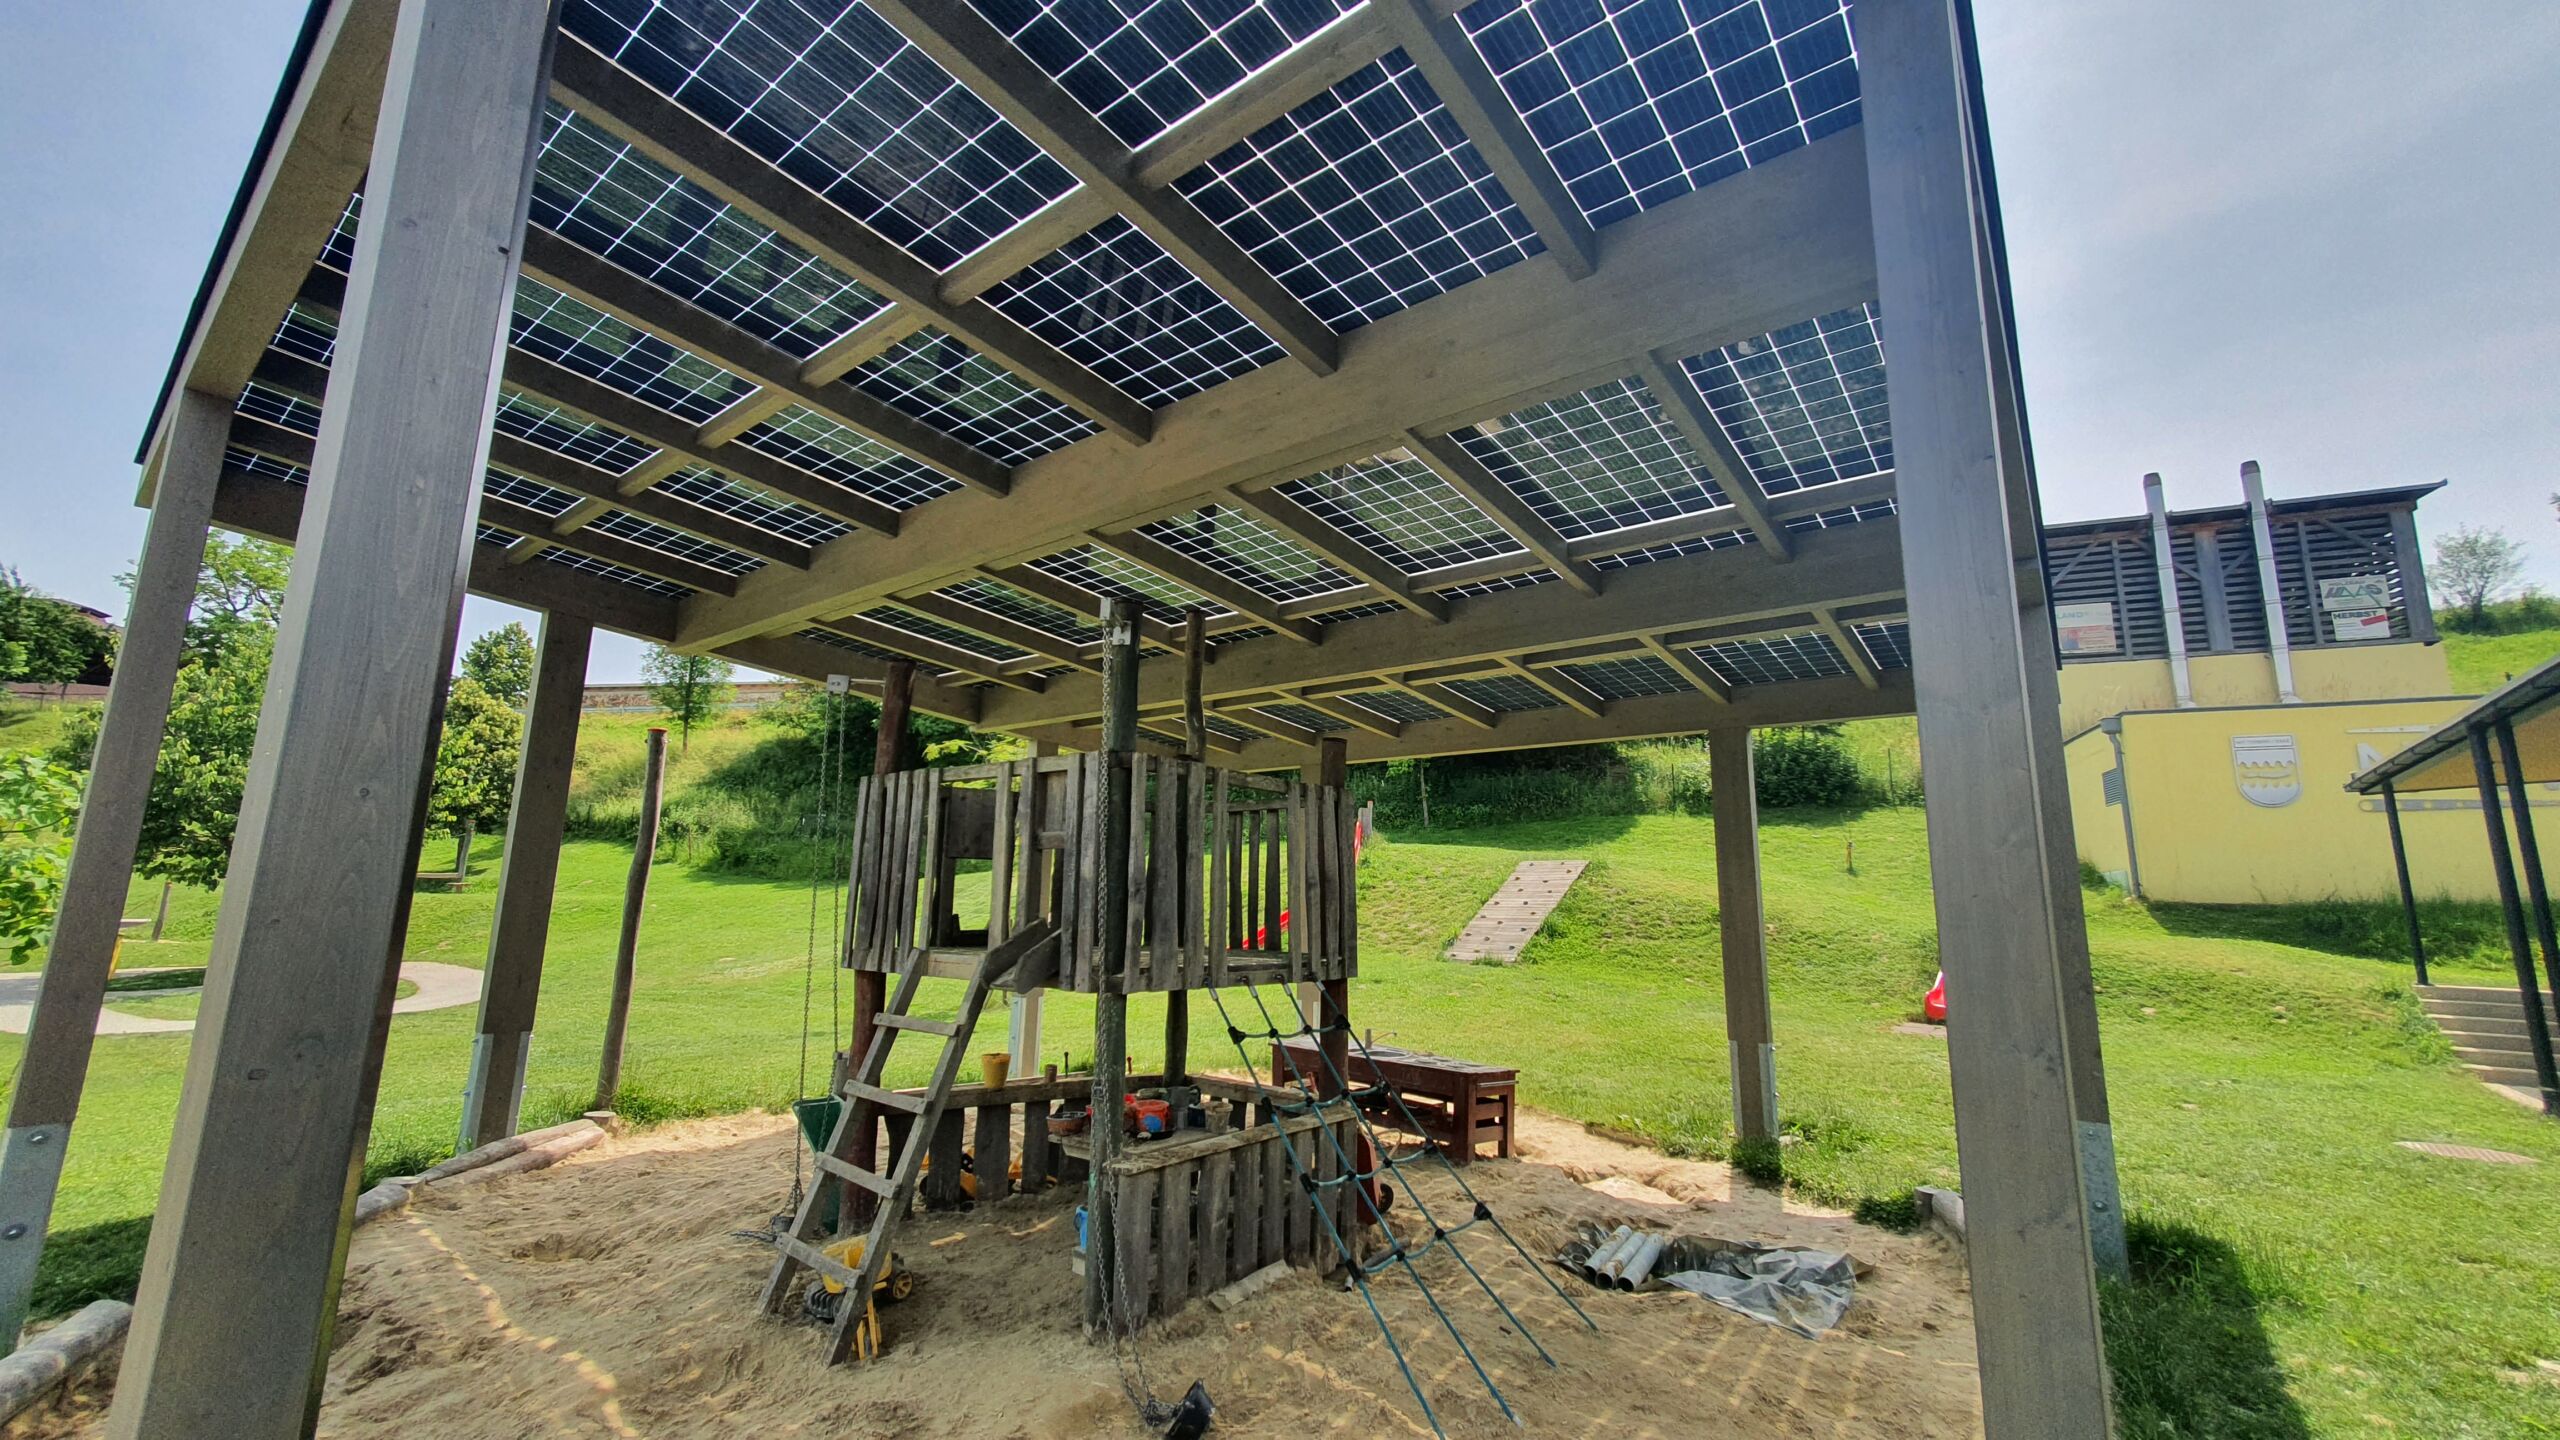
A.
pixel 612 1296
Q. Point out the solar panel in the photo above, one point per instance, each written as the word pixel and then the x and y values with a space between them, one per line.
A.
pixel 1845 515
pixel 492 535
pixel 307 332
pixel 276 407
pixel 1805 405
pixel 1221 725
pixel 1887 642
pixel 803 437
pixel 599 193
pixel 1302 717
pixel 951 635
pixel 953 388
pixel 1008 603
pixel 619 574
pixel 696 485
pixel 235 458
pixel 1598 461
pixel 516 490
pixel 1366 611
pixel 1505 692
pixel 1636 103
pixel 338 252
pixel 836 98
pixel 1117 304
pixel 1770 661
pixel 1141 65
pixel 1627 677
pixel 847 642
pixel 571 333
pixel 1672 549
pixel 1398 706
pixel 1090 567
pixel 1243 549
pixel 623 525
pixel 1364 200
pixel 1401 508
pixel 1498 584
pixel 547 425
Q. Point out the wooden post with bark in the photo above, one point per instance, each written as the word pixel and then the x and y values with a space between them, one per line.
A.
pixel 635 896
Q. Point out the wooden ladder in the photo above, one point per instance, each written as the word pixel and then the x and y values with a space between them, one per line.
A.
pixel 801 1245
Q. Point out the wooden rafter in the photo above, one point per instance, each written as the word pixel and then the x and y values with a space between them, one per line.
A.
pixel 1347 554
pixel 1467 475
pixel 1853 653
pixel 1565 688
pixel 1261 723
pixel 1688 413
pixel 1149 553
pixel 550 467
pixel 1044 646
pixel 1308 69
pixel 981 58
pixel 1349 712
pixel 648 560
pixel 1686 664
pixel 1483 717
pixel 658 127
pixel 929 651
pixel 1040 584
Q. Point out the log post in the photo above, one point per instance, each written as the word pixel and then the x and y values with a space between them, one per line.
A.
pixel 635 897
pixel 1195 747
pixel 1110 1002
pixel 871 987
pixel 1333 1008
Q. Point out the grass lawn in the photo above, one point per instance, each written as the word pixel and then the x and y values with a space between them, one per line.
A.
pixel 2482 663
pixel 2302 1275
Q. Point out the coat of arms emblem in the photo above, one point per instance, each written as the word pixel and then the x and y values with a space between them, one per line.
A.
pixel 2267 768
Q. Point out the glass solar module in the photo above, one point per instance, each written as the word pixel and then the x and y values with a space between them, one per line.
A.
pixel 1598 461
pixel 1845 515
pixel 1888 643
pixel 1635 103
pixel 1302 717
pixel 1504 692
pixel 1671 549
pixel 1117 304
pixel 951 635
pixel 1766 661
pixel 1358 612
pixel 840 101
pixel 592 189
pixel 956 390
pixel 517 490
pixel 571 333
pixel 620 574
pixel 338 252
pixel 847 642
pixel 1222 726
pixel 803 437
pixel 1805 405
pixel 250 462
pixel 553 428
pixel 1243 549
pixel 716 492
pixel 1008 603
pixel 1628 677
pixel 276 407
pixel 1364 200
pixel 1230 637
pixel 492 535
pixel 307 332
pixel 623 525
pixel 1499 583
pixel 1090 567
pixel 1396 505
pixel 1141 65
pixel 1398 706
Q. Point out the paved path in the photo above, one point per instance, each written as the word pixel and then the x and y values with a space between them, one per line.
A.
pixel 440 987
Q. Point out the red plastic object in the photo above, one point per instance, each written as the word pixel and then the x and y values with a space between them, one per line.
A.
pixel 1934 1009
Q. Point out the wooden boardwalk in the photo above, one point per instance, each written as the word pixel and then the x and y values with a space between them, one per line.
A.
pixel 1504 927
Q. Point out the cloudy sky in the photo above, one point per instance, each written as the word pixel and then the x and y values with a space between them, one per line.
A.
pixel 2317 235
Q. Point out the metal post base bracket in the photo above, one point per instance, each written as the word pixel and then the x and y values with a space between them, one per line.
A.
pixel 30 1172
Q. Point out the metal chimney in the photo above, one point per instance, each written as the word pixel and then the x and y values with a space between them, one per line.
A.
pixel 2168 569
pixel 2270 589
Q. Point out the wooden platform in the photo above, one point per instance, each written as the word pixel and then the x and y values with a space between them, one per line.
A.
pixel 1504 927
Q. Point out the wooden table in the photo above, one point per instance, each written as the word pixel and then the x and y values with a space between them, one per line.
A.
pixel 1459 1104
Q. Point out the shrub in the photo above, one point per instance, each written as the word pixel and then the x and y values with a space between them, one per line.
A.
pixel 1804 766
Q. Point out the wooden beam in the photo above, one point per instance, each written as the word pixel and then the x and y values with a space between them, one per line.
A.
pixel 980 57
pixel 560 472
pixel 782 380
pixel 1152 554
pixel 1349 712
pixel 666 132
pixel 648 560
pixel 1045 648
pixel 1702 679
pixel 930 651
pixel 1271 725
pixel 1440 49
pixel 1687 410
pixel 1860 663
pixel 2037 1334
pixel 1563 687
pixel 1350 556
pixel 1750 1035
pixel 1040 235
pixel 1308 69
pixel 281 1078
pixel 1483 717
pixel 1788 240
pixel 1043 585
pixel 1467 475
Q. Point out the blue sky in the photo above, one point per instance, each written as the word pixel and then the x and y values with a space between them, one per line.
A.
pixel 2316 235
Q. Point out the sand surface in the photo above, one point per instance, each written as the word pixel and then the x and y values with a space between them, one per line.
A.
pixel 609 1297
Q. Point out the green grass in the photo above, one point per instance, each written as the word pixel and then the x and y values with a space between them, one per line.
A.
pixel 30 726
pixel 2482 663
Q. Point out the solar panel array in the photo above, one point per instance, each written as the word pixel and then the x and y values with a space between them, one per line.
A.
pixel 1601 460
pixel 1773 660
pixel 1117 304
pixel 1143 65
pixel 1402 509
pixel 1238 547
pixel 1887 643
pixel 1505 692
pixel 1805 405
pixel 941 381
pixel 803 437
pixel 1627 677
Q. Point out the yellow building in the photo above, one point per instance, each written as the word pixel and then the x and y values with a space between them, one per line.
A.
pixel 2212 732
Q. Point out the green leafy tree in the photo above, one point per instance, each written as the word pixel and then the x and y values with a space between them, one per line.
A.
pixel 44 641
pixel 38 802
pixel 690 688
pixel 239 592
pixel 2473 566
pixel 502 661
pixel 475 777
pixel 204 760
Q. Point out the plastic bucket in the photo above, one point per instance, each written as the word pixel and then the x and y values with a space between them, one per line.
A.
pixel 818 1125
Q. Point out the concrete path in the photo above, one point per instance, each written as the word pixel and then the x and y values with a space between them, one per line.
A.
pixel 440 987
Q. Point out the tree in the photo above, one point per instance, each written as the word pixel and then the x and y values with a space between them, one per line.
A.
pixel 204 760
pixel 45 641
pixel 2473 565
pixel 38 802
pixel 475 779
pixel 239 591
pixel 502 661
pixel 690 688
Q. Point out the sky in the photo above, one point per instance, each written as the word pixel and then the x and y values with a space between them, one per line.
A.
pixel 2316 235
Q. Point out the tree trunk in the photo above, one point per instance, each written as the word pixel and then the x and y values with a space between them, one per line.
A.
pixel 462 850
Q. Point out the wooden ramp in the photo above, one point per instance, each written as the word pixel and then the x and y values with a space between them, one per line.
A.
pixel 1503 928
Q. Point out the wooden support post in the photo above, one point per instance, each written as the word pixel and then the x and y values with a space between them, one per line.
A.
pixel 1195 746
pixel 2537 1027
pixel 2036 1326
pixel 2529 860
pixel 240 1284
pixel 2400 868
pixel 1333 1008
pixel 871 987
pixel 1111 955
pixel 1023 1024
pixel 635 896
pixel 55 1063
pixel 493 1096
pixel 1750 1030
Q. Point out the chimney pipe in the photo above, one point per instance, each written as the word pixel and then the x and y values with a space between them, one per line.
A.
pixel 2167 566
pixel 2270 589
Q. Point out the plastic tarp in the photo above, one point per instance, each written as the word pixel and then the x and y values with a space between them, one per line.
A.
pixel 1792 1287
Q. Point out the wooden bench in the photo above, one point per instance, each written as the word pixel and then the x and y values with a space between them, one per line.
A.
pixel 1459 1104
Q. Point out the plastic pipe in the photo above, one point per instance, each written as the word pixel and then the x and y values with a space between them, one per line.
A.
pixel 2166 563
pixel 1637 1263
pixel 2270 588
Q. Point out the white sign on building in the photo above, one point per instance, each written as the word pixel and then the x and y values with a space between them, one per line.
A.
pixel 2086 628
